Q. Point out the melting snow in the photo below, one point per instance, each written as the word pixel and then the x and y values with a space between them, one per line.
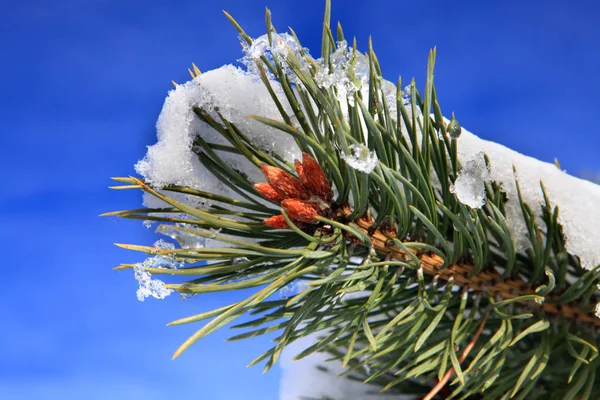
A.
pixel 469 187
pixel 154 287
pixel 361 158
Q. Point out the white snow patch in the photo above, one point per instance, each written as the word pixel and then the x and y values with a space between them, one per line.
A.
pixel 236 95
pixel 576 198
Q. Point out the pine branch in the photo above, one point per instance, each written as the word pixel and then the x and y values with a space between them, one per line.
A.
pixel 401 269
pixel 440 385
pixel 488 282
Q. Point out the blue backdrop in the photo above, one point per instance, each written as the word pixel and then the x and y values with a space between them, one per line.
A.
pixel 82 85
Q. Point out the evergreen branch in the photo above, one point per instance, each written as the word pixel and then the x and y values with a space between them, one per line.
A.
pixel 399 272
pixel 440 385
pixel 488 282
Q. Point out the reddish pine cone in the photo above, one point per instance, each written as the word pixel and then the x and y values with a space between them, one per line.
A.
pixel 299 210
pixel 285 184
pixel 317 180
pixel 300 171
pixel 267 191
pixel 276 222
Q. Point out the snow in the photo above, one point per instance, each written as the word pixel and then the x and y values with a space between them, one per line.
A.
pixel 361 159
pixel 236 95
pixel 148 286
pixel 283 43
pixel 154 287
pixel 469 187
pixel 576 198
pixel 349 72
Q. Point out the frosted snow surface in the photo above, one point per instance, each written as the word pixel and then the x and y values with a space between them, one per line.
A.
pixel 236 95
pixel 577 199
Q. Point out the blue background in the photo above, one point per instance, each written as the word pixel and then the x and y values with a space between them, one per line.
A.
pixel 82 85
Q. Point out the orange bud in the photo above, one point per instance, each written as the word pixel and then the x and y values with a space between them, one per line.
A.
pixel 300 171
pixel 284 183
pixel 276 222
pixel 317 180
pixel 299 210
pixel 267 191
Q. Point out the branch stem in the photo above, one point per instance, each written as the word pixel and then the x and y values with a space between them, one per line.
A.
pixel 440 385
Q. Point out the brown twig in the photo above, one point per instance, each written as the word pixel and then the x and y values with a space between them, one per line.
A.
pixel 440 385
pixel 488 281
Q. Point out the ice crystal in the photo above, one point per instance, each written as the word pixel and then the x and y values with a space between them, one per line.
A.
pixel 287 291
pixel 347 72
pixel 187 296
pixel 361 158
pixel 148 224
pixel 148 286
pixel 469 187
pixel 454 128
pixel 283 43
pixel 185 239
pixel 154 287
pixel 407 102
pixel 162 245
